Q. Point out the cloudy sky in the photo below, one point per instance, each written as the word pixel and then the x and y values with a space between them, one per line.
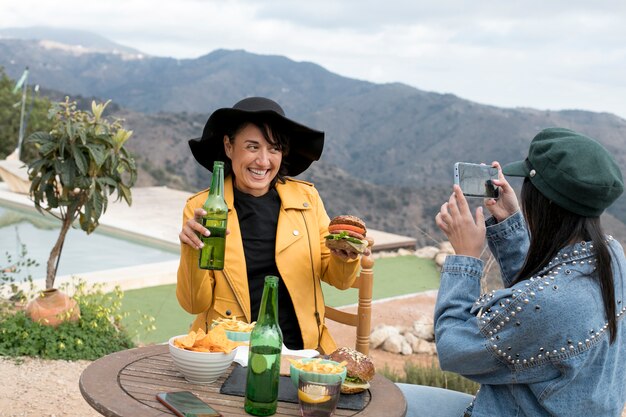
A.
pixel 556 54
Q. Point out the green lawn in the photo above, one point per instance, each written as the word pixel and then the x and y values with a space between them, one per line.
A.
pixel 392 277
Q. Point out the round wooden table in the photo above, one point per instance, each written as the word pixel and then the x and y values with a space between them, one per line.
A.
pixel 125 384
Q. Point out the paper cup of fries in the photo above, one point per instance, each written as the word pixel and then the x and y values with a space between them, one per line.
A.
pixel 316 370
pixel 202 357
pixel 236 330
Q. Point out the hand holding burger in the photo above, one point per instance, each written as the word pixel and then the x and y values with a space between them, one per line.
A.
pixel 347 234
pixel 359 369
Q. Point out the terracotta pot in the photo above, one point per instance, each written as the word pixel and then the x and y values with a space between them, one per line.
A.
pixel 52 308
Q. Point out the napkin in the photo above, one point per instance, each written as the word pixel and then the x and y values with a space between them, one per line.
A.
pixel 241 356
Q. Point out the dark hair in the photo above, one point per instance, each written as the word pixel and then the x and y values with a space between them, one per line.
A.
pixel 271 134
pixel 551 227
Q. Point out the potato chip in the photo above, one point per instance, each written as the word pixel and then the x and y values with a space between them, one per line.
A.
pixel 213 341
pixel 187 341
pixel 200 334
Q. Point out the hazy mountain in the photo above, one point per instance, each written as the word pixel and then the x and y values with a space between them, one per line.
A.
pixel 389 151
pixel 68 38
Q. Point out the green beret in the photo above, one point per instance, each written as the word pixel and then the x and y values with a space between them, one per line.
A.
pixel 572 170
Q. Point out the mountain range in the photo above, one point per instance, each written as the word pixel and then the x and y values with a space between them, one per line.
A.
pixel 389 148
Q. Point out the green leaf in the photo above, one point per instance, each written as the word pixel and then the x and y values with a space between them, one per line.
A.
pixel 343 235
pixel 47 148
pixel 105 202
pixel 107 181
pixel 34 185
pixel 64 172
pixel 79 158
pixel 124 191
pixel 51 198
pixel 69 130
pixel 98 154
pixel 83 221
pixel 97 204
pixel 39 137
pixel 36 165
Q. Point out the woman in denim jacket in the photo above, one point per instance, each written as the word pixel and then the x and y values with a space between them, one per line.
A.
pixel 551 342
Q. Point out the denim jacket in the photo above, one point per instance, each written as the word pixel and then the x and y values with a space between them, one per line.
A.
pixel 539 347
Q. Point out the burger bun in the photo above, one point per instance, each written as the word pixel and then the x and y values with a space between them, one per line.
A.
pixel 359 369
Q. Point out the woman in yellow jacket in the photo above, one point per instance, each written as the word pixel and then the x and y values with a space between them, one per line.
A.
pixel 276 226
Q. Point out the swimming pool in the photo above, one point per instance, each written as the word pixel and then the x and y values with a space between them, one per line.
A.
pixel 81 252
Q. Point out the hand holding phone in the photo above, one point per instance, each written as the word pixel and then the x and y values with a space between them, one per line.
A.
pixel 476 180
pixel 186 404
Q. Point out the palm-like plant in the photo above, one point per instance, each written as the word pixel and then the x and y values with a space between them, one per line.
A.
pixel 81 162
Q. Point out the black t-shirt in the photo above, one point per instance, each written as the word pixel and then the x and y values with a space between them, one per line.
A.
pixel 258 219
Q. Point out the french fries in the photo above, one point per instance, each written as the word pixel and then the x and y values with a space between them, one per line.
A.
pixel 318 366
pixel 234 325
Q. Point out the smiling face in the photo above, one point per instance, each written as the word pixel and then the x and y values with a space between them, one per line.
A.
pixel 255 162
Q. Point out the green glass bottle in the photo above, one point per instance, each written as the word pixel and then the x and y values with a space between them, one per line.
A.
pixel 212 253
pixel 266 341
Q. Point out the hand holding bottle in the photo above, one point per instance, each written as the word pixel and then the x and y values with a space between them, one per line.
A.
pixel 193 229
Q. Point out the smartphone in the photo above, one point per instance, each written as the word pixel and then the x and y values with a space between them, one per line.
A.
pixel 475 180
pixel 186 404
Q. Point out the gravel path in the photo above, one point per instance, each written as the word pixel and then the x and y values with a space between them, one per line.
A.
pixel 40 388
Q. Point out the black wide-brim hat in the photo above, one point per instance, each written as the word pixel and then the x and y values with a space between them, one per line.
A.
pixel 305 144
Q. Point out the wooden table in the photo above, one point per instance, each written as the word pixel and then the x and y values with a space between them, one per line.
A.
pixel 124 384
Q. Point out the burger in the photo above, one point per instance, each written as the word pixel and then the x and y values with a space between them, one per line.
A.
pixel 347 233
pixel 359 369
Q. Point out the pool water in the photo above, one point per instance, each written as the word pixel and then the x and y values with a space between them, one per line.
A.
pixel 81 252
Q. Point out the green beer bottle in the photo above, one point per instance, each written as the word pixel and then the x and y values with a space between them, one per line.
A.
pixel 266 341
pixel 212 253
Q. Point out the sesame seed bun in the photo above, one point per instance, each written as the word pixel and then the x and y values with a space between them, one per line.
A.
pixel 349 220
pixel 359 369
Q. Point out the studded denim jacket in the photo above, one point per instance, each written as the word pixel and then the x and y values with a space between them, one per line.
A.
pixel 539 347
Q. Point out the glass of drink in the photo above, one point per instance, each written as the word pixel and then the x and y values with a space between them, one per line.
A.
pixel 318 399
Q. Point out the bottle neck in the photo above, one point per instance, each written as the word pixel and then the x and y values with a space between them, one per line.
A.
pixel 217 181
pixel 268 312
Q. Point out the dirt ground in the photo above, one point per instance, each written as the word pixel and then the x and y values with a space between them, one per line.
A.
pixel 399 312
pixel 37 388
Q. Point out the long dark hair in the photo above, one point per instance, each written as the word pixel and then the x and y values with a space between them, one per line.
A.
pixel 551 228
pixel 271 134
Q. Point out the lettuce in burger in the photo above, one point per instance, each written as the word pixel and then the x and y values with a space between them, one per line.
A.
pixel 347 233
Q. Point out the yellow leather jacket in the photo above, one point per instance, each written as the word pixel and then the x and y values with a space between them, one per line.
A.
pixel 302 259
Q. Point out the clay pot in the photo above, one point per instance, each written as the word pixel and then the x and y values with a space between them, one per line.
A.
pixel 52 308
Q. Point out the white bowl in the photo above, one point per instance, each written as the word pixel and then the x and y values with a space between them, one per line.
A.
pixel 200 367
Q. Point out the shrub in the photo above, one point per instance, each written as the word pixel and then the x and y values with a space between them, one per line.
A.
pixel 98 332
pixel 11 292
pixel 432 376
